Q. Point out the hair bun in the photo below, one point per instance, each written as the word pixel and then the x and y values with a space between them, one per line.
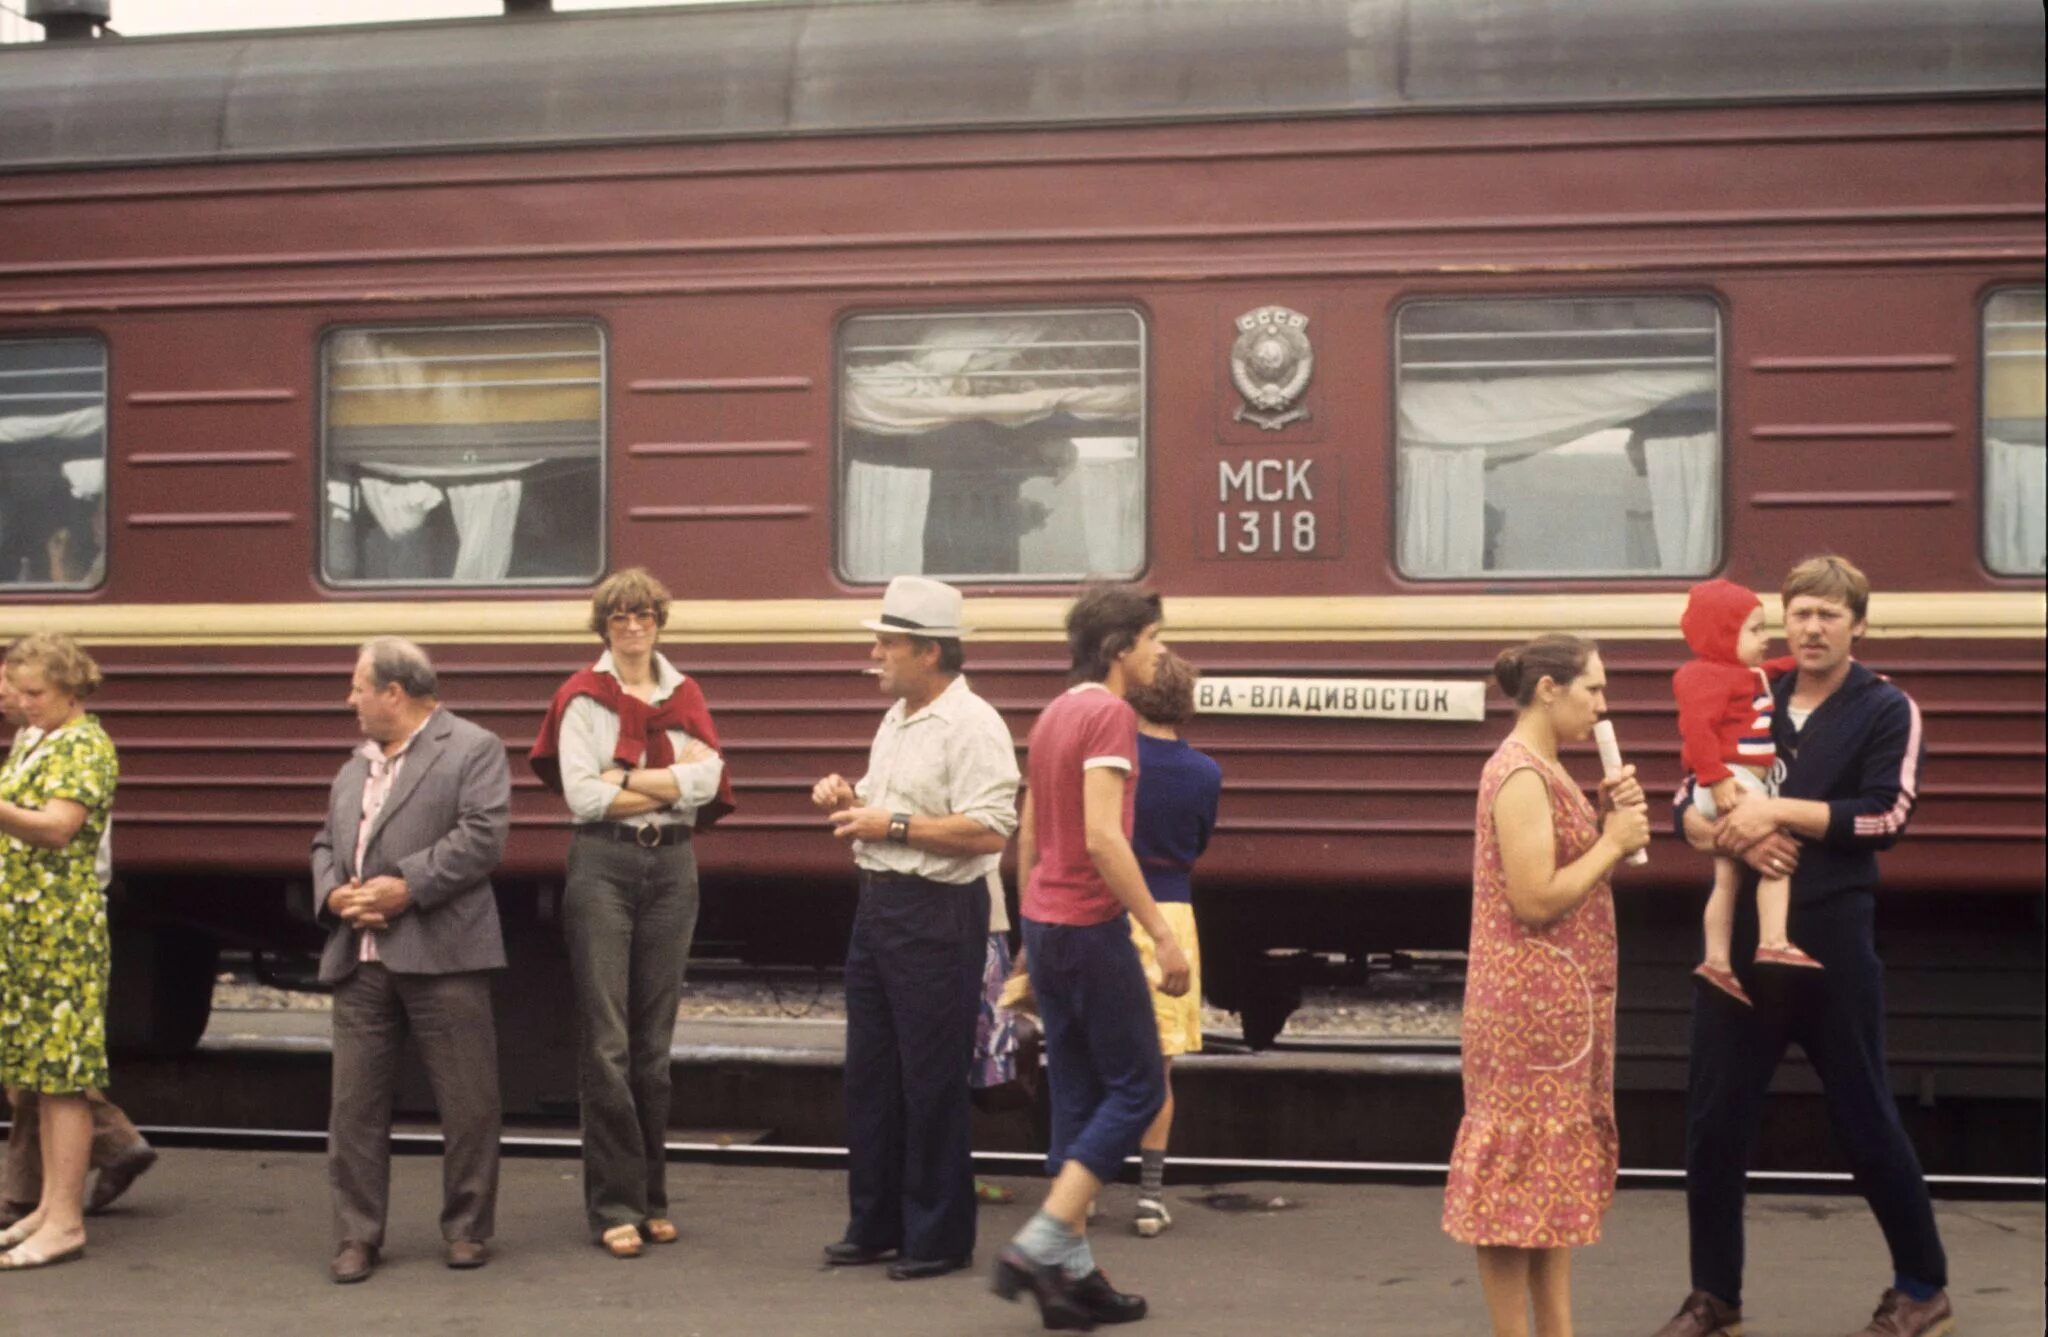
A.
pixel 1507 671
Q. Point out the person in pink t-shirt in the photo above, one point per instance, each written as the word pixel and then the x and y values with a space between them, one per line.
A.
pixel 1082 888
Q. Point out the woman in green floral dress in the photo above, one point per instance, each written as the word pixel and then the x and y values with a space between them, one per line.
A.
pixel 54 802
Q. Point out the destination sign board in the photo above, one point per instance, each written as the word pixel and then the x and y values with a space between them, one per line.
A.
pixel 1345 698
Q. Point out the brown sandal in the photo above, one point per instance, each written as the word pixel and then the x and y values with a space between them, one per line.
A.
pixel 621 1241
pixel 660 1230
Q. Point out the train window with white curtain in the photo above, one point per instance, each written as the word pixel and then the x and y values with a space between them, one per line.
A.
pixel 992 445
pixel 463 455
pixel 1558 438
pixel 53 463
pixel 2015 481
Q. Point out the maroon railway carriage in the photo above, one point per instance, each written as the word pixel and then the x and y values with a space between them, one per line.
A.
pixel 1376 336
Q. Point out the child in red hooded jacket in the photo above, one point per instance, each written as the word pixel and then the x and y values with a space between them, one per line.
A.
pixel 1724 723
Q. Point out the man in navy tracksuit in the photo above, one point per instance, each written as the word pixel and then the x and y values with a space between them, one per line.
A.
pixel 1851 751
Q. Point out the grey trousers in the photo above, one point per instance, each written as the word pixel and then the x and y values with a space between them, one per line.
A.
pixel 449 1017
pixel 627 916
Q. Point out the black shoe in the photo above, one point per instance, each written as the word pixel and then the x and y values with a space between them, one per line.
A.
pixel 848 1254
pixel 1105 1303
pixel 918 1269
pixel 1058 1307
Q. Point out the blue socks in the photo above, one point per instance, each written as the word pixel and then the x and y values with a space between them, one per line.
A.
pixel 1047 1240
pixel 1081 1261
pixel 1920 1291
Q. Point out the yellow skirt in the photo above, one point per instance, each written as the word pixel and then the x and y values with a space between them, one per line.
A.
pixel 1180 1019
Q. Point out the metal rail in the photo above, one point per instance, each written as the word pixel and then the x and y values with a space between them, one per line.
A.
pixel 1185 1169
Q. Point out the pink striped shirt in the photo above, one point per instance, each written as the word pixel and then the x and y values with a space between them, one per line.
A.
pixel 384 771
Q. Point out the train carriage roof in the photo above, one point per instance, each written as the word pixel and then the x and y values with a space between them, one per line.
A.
pixel 729 71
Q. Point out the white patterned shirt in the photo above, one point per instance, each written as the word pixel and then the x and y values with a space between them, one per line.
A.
pixel 953 758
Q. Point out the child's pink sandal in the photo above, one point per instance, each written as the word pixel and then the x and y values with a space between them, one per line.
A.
pixel 1725 981
pixel 1786 956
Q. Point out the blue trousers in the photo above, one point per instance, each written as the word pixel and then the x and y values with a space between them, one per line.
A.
pixel 1101 1044
pixel 913 997
pixel 1837 1016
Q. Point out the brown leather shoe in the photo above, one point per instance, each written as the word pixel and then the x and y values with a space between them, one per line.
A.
pixel 1703 1316
pixel 468 1253
pixel 116 1178
pixel 353 1262
pixel 1900 1315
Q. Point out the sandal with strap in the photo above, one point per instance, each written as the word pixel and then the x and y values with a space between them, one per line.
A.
pixel 1788 955
pixel 660 1230
pixel 17 1233
pixel 21 1260
pixel 621 1241
pixel 1724 980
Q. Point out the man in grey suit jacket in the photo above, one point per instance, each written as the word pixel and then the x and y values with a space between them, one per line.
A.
pixel 416 821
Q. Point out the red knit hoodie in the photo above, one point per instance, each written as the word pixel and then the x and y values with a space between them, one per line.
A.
pixel 1724 706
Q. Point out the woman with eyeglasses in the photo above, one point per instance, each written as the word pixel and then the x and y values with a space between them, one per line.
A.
pixel 629 745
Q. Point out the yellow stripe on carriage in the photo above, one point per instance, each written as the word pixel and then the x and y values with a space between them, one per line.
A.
pixel 1968 614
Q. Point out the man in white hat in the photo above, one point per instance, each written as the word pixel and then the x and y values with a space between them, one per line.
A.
pixel 927 823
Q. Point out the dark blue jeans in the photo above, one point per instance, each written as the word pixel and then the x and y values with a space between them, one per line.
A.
pixel 913 997
pixel 1837 1016
pixel 1101 1042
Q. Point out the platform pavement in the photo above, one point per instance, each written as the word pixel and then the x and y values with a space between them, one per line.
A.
pixel 228 1244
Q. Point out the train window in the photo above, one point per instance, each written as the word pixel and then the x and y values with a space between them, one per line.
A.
pixel 2015 481
pixel 1558 438
pixel 53 463
pixel 992 445
pixel 463 455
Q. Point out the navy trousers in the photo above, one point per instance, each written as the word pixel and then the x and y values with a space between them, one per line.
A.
pixel 913 996
pixel 1837 1016
pixel 1101 1043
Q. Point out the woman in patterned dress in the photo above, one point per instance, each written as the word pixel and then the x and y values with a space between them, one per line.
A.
pixel 1533 1170
pixel 53 932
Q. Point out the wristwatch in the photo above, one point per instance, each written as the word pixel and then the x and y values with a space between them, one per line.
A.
pixel 899 828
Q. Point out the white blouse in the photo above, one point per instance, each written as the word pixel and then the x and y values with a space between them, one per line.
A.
pixel 589 737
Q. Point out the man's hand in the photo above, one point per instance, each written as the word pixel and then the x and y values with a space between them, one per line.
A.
pixel 695 751
pixel 1622 790
pixel 1776 855
pixel 865 824
pixel 1749 823
pixel 354 904
pixel 386 897
pixel 833 793
pixel 1173 966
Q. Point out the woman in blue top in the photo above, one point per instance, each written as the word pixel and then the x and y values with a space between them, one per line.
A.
pixel 1176 810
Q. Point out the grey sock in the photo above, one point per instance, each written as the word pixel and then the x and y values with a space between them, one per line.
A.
pixel 1081 1261
pixel 1151 1172
pixel 1047 1240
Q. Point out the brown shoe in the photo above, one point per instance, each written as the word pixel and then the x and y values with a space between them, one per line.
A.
pixel 116 1177
pixel 468 1253
pixel 1703 1316
pixel 1900 1315
pixel 353 1262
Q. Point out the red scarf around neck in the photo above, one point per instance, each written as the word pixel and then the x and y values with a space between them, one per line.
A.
pixel 643 732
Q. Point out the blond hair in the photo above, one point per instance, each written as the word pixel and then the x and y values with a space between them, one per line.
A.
pixel 65 664
pixel 1833 578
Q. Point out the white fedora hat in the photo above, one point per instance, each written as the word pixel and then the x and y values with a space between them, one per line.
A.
pixel 918 606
